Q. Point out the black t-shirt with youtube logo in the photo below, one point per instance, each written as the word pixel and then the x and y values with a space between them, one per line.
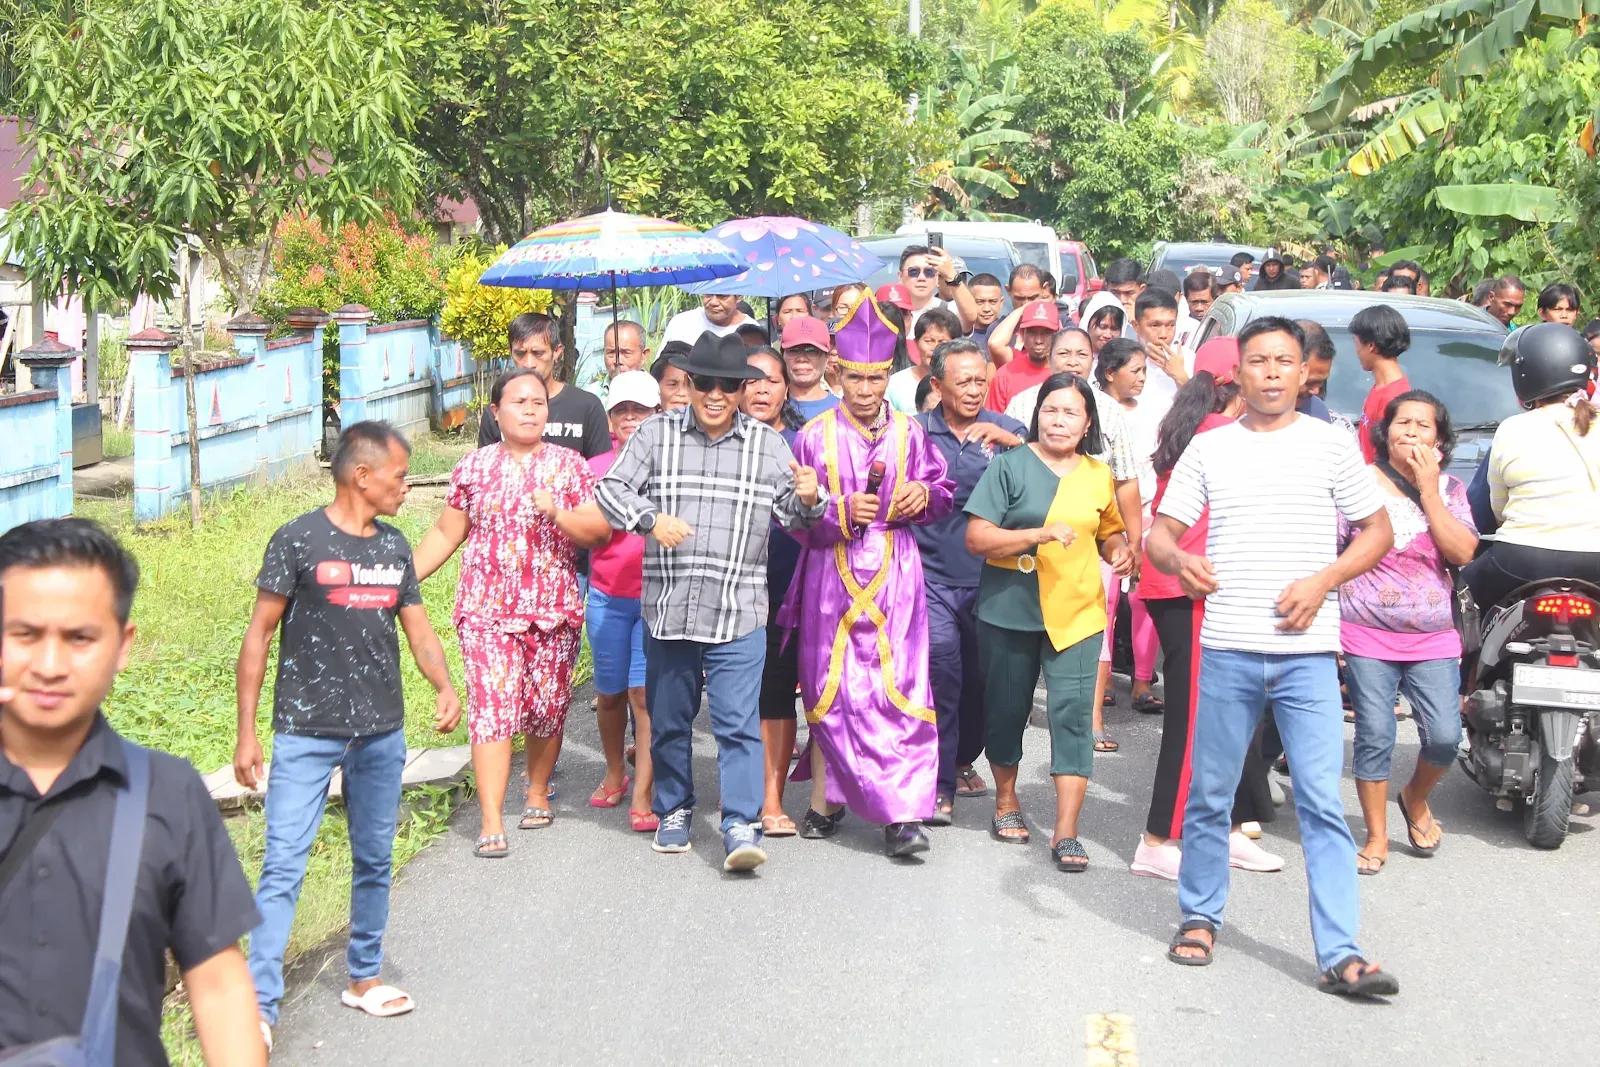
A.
pixel 338 652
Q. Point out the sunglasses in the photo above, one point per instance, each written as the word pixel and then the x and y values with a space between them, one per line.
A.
pixel 705 383
pixel 922 272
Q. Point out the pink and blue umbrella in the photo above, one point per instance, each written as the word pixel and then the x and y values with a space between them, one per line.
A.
pixel 783 255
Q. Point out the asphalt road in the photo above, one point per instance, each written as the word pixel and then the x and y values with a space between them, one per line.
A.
pixel 584 947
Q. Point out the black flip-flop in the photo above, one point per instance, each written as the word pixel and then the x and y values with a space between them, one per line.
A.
pixel 967 777
pixel 1369 984
pixel 1069 849
pixel 1412 830
pixel 483 853
pixel 1180 941
pixel 1011 820
pixel 1149 704
pixel 940 816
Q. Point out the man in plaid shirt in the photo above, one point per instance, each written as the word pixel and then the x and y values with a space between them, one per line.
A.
pixel 700 483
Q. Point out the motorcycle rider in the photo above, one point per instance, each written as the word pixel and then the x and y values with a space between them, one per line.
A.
pixel 1544 468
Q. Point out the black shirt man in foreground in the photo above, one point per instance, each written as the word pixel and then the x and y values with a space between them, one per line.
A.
pixel 68 590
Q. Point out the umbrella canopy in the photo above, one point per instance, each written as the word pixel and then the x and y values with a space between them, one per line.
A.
pixel 786 255
pixel 612 250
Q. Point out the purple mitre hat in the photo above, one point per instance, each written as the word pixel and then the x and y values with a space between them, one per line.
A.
pixel 864 339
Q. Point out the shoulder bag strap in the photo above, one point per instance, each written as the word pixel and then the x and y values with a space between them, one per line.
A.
pixel 22 846
pixel 1583 459
pixel 99 1033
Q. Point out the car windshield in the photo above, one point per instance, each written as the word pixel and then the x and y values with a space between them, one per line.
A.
pixel 1183 260
pixel 1036 253
pixel 1457 367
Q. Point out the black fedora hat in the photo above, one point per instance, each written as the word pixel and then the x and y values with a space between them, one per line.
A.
pixel 719 357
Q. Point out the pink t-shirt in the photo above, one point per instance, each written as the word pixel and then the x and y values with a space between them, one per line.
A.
pixel 1153 585
pixel 616 568
pixel 1400 610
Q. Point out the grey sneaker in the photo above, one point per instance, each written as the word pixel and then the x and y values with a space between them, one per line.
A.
pixel 673 833
pixel 743 843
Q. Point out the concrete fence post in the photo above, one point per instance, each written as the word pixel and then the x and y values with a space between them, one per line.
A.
pixel 249 333
pixel 49 365
pixel 355 377
pixel 154 477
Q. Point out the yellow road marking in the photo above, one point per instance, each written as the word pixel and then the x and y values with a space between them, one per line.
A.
pixel 1108 1041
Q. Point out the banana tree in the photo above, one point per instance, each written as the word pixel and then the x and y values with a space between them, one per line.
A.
pixel 984 103
pixel 1475 34
pixel 1422 115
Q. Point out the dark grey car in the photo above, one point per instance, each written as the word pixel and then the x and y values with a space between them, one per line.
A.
pixel 1453 351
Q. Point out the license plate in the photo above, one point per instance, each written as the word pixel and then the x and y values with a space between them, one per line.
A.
pixel 1555 687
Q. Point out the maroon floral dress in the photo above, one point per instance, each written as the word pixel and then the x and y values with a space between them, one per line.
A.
pixel 518 608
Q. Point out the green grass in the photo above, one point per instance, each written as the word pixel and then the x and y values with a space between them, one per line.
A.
pixel 115 443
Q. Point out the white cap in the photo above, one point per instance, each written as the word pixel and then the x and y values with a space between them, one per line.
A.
pixel 635 386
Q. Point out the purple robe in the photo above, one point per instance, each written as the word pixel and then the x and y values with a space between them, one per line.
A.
pixel 862 621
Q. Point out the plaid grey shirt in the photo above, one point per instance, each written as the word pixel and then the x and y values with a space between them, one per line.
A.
pixel 713 586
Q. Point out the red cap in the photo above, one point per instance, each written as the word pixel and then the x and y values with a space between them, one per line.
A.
pixel 1220 357
pixel 804 330
pixel 1040 315
pixel 895 294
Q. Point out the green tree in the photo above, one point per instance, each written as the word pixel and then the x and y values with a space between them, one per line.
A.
pixel 1101 165
pixel 693 109
pixel 983 103
pixel 149 122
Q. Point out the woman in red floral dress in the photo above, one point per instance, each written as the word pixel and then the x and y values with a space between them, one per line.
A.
pixel 518 610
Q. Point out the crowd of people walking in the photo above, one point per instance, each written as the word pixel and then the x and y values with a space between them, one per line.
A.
pixel 895 521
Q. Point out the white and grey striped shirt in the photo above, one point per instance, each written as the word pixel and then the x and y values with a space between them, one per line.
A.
pixel 1275 501
pixel 713 586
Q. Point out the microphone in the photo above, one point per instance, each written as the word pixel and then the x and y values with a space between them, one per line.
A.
pixel 874 480
pixel 875 477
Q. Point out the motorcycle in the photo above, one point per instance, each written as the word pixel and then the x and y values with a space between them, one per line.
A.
pixel 1533 705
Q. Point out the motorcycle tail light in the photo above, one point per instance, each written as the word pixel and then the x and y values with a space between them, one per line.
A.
pixel 1565 607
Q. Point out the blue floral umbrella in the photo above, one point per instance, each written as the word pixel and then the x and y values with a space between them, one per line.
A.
pixel 784 255
pixel 612 250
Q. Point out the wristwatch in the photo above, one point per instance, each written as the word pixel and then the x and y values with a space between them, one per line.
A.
pixel 647 522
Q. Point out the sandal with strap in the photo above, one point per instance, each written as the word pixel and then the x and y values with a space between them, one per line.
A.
pixel 1370 871
pixel 490 847
pixel 1070 856
pixel 1179 940
pixel 778 826
pixel 944 811
pixel 1011 820
pixel 1102 743
pixel 643 822
pixel 1149 704
pixel 967 778
pixel 1370 982
pixel 535 819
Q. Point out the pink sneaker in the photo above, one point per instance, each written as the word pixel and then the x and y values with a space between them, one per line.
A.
pixel 1246 855
pixel 1156 861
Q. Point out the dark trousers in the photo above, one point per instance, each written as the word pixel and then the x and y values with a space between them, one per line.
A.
pixel 1177 621
pixel 1496 573
pixel 729 675
pixel 957 682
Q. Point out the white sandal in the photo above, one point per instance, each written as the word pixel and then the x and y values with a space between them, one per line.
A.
pixel 375 1001
pixel 266 1034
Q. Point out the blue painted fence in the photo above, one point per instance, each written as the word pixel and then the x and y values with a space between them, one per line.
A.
pixel 36 439
pixel 404 373
pixel 259 413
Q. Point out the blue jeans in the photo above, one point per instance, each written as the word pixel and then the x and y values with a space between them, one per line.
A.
pixel 297 792
pixel 616 642
pixel 1431 686
pixel 1303 691
pixel 676 672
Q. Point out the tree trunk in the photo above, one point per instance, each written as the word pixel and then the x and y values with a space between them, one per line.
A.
pixel 569 336
pixel 186 317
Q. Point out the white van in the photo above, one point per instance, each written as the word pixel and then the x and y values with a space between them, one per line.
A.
pixel 1035 242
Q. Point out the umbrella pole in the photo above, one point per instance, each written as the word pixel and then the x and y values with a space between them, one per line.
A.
pixel 616 336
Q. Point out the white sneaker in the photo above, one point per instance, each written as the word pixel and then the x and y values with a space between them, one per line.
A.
pixel 1156 861
pixel 1246 855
